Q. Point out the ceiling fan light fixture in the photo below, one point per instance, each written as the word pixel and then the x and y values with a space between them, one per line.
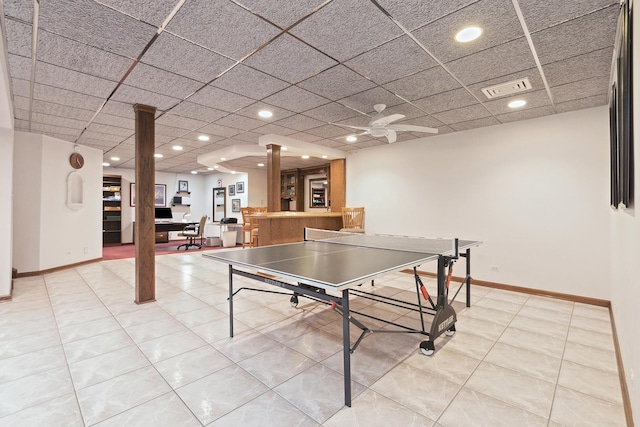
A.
pixel 378 132
pixel 468 34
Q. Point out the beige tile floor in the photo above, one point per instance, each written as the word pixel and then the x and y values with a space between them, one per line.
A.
pixel 76 351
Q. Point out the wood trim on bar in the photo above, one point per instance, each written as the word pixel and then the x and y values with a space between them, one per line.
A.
pixel 273 178
pixel 145 204
pixel 338 185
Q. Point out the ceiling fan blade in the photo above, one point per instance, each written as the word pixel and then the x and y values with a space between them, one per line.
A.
pixel 352 127
pixel 391 136
pixel 386 120
pixel 411 128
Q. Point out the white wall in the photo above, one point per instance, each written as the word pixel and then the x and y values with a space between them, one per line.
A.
pixel 6 214
pixel 47 234
pixel 535 192
pixel 625 268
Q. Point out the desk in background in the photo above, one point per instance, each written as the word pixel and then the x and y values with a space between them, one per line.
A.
pixel 163 229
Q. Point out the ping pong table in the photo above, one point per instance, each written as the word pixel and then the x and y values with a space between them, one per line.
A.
pixel 329 266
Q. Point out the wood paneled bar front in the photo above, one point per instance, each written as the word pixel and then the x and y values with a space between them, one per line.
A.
pixel 275 228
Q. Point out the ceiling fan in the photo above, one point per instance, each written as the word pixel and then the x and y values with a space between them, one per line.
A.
pixel 380 125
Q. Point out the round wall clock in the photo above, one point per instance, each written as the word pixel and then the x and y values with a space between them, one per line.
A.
pixel 76 160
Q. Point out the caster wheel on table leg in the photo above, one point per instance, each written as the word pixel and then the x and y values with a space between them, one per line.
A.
pixel 427 348
pixel 294 301
pixel 451 331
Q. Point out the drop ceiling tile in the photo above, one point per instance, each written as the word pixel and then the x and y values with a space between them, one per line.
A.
pixel 530 113
pixel 153 79
pixel 299 122
pixel 581 89
pixel 295 99
pixel 579 104
pixel 336 83
pixel 180 122
pixel 215 129
pixel 194 137
pixel 532 74
pixel 153 12
pixel 121 122
pixel 71 99
pixel 534 98
pixel 328 131
pixel 331 143
pixel 248 137
pixel 20 67
pixel 169 130
pixel 81 57
pixel 425 120
pixel 423 84
pixel 497 61
pixel 282 16
pixel 132 95
pixel 21 102
pixel 22 10
pixel 371 143
pixel 239 122
pixel 364 101
pixel 58 121
pixel 331 113
pixel 274 129
pixel 305 136
pixel 249 82
pixel 289 59
pixel 21 125
pixel 405 55
pixel 19 114
pixel 163 139
pixel 51 129
pixel 473 124
pixel 358 21
pixel 497 18
pixel 110 30
pixel 463 114
pixel 226 28
pixel 68 138
pixel 581 67
pixel 445 101
pixel 416 13
pixel 570 38
pixel 220 99
pixel 96 143
pixel 171 53
pixel 198 112
pixel 189 142
pixel 18 38
pixel 52 75
pixel 21 87
pixel 116 131
pixel 539 14
pixel 409 111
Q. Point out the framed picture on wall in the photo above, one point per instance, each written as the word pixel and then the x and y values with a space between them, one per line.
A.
pixel 160 194
pixel 235 205
pixel 240 187
pixel 183 186
pixel 232 190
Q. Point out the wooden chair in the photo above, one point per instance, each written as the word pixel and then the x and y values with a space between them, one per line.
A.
pixel 353 220
pixel 248 227
pixel 193 233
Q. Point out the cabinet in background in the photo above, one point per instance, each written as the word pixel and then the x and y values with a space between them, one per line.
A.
pixel 111 210
pixel 219 203
pixel 291 194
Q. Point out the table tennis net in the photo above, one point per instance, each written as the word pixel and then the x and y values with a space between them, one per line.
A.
pixel 381 241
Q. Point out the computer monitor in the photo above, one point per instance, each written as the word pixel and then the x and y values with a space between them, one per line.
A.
pixel 164 213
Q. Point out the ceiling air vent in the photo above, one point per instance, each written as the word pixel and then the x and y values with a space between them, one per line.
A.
pixel 504 89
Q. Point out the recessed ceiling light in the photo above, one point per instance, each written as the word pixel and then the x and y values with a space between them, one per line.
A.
pixel 177 147
pixel 517 103
pixel 106 164
pixel 261 164
pixel 215 166
pixel 351 138
pixel 158 155
pixel 283 148
pixel 233 172
pixel 265 114
pixel 325 156
pixel 203 138
pixel 223 158
pixel 209 169
pixel 115 159
pixel 194 172
pixel 468 34
pixel 305 156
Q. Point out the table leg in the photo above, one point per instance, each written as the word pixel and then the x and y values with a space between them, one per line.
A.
pixel 230 300
pixel 346 350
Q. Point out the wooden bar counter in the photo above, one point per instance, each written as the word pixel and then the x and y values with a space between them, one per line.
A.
pixel 275 228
